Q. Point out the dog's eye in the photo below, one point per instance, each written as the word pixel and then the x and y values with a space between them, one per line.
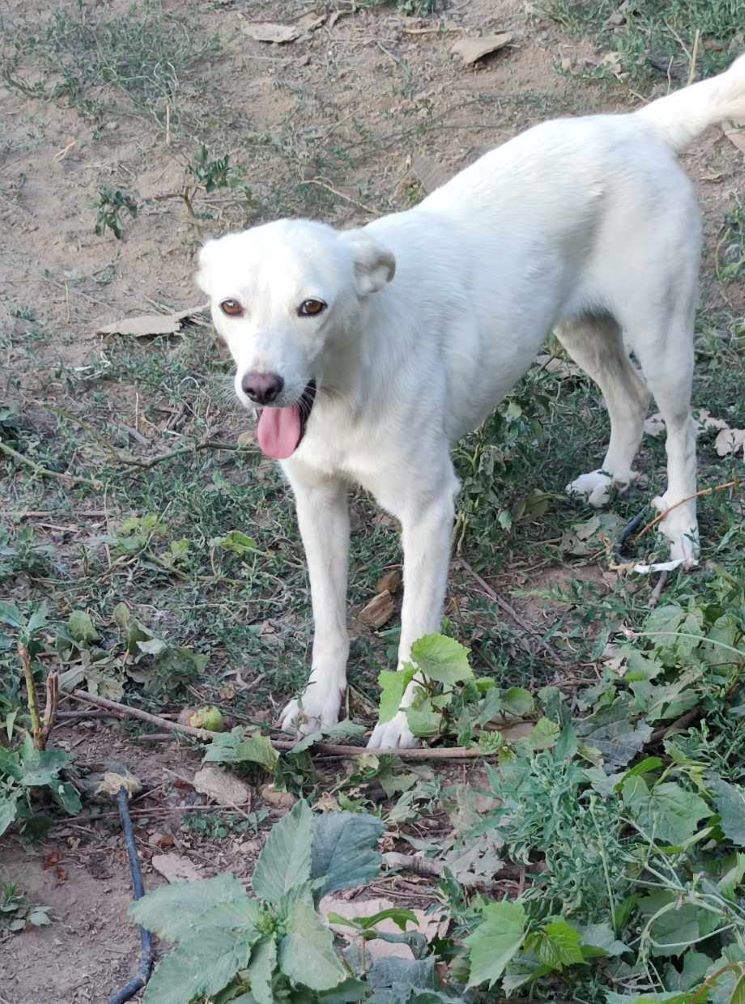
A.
pixel 311 308
pixel 231 307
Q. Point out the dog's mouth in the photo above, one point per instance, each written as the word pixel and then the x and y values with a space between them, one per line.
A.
pixel 280 430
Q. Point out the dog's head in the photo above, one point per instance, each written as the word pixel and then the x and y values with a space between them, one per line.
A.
pixel 282 296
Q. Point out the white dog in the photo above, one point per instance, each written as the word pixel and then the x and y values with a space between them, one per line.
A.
pixel 373 350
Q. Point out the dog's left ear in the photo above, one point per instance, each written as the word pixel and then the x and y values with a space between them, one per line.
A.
pixel 374 266
pixel 202 278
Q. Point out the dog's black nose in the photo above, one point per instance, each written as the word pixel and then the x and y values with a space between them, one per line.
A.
pixel 263 388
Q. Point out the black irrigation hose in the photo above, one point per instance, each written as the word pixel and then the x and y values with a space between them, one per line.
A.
pixel 147 951
pixel 620 552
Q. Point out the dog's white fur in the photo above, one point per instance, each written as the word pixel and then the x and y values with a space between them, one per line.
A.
pixel 585 226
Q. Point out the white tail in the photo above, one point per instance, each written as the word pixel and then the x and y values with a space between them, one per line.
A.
pixel 680 117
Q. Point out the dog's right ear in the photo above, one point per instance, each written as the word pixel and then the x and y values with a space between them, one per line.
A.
pixel 204 261
pixel 374 265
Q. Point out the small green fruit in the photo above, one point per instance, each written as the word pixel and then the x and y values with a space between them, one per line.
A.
pixel 209 717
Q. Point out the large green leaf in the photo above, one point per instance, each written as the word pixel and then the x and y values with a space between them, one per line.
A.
pixel 666 812
pixel 8 811
pixel 40 767
pixel 345 850
pixel 261 969
pixel 393 684
pixel 557 945
pixel 306 953
pixel 495 941
pixel 668 998
pixel 175 911
pixel 203 965
pixel 81 627
pixel 284 862
pixel 729 800
pixel 441 659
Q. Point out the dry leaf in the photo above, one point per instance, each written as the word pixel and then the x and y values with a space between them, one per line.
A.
pixel 378 611
pixel 269 31
pixel 391 582
pixel 654 425
pixel 472 48
pixel 175 867
pixel 276 798
pixel 730 441
pixel 735 133
pixel 221 787
pixel 148 325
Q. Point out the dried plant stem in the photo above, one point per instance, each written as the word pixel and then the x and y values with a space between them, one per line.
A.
pixel 37 730
pixel 44 472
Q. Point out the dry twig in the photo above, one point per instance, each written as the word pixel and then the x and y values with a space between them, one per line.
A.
pixel 326 749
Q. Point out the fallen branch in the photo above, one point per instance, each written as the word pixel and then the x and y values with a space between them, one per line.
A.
pixel 123 711
pixel 205 444
pixel 430 868
pixel 44 472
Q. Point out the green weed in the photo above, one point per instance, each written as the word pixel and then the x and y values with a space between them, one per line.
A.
pixel 111 205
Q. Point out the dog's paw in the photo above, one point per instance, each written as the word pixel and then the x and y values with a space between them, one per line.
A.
pixel 316 709
pixel 393 734
pixel 596 486
pixel 681 529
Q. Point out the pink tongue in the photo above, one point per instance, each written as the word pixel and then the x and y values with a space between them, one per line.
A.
pixel 278 431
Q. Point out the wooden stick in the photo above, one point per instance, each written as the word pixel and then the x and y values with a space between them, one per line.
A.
pixel 700 494
pixel 44 472
pixel 327 749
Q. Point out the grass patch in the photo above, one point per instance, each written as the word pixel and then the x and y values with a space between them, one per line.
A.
pixel 652 41
pixel 146 56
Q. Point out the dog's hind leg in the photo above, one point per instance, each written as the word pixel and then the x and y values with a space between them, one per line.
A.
pixel 596 344
pixel 665 353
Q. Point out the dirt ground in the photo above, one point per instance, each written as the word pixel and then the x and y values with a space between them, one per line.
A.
pixel 329 126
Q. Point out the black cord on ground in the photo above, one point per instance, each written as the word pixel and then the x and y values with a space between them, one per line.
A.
pixel 147 950
pixel 620 552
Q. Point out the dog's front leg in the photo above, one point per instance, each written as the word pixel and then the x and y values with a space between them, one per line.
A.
pixel 323 518
pixel 426 530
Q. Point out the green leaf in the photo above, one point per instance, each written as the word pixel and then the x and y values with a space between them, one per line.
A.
pixel 393 684
pixel 345 850
pixel 81 627
pixel 11 615
pixel 441 659
pixel 667 812
pixel 8 811
pixel 261 969
pixel 41 767
pixel 152 646
pixel 738 994
pixel 617 740
pixel 544 736
pixel 175 911
pixel 495 941
pixel 424 720
pixel 235 541
pixel 729 800
pixel 233 747
pixel 306 953
pixel 557 945
pixel 202 966
pixel 518 702
pixel 36 621
pixel 599 939
pixel 284 862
